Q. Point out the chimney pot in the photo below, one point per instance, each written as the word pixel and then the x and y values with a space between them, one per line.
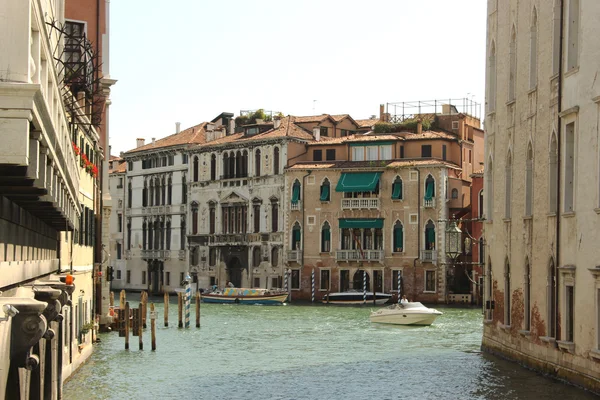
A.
pixel 317 133
pixel 382 113
pixel 153 141
pixel 177 127
pixel 140 142
pixel 419 127
pixel 121 154
pixel 276 122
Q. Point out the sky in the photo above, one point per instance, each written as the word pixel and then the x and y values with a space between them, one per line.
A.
pixel 189 60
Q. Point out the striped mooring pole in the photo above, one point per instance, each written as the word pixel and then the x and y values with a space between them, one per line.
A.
pixel 364 286
pixel 399 286
pixel 188 298
pixel 285 279
pixel 313 286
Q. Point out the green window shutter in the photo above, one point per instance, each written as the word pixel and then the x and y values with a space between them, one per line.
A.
pixel 429 191
pixel 325 193
pixel 397 191
pixel 398 238
pixel 295 194
pixel 296 235
pixel 430 234
pixel 326 234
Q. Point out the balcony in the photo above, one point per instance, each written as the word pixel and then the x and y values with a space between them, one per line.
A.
pixel 358 255
pixel 429 203
pixel 297 206
pixel 360 204
pixel 156 254
pixel 294 256
pixel 231 239
pixel 429 256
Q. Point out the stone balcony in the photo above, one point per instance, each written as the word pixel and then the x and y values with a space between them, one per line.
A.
pixel 156 254
pixel 429 203
pixel 429 256
pixel 361 204
pixel 294 256
pixel 358 255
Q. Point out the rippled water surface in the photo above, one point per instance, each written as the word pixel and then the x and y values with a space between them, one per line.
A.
pixel 307 352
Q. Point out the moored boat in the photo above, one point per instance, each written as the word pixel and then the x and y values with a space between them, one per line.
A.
pixel 413 313
pixel 245 296
pixel 355 297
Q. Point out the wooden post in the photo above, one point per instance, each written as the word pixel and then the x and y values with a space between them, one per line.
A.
pixel 166 309
pixel 144 304
pixel 122 299
pixel 197 309
pixel 140 312
pixel 153 326
pixel 179 310
pixel 111 299
pixel 126 325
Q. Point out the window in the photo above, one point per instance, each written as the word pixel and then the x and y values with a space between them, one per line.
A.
pixel 507 293
pixel 401 151
pixel 118 251
pixel 196 168
pixel 128 280
pixel 491 84
pixel 480 204
pixel 527 287
pixel 512 73
pixel 130 165
pixel 324 281
pixel 256 215
pixel 182 234
pixel 129 194
pixel 324 131
pixel 325 194
pixel 120 184
pixel 569 166
pixel 296 237
pixel 212 257
pixel 317 155
pixel 529 183
pixel 295 192
pixel 274 216
pixel 425 150
pixel 508 187
pixel 444 150
pixel 168 278
pixel 184 158
pixel 274 256
pixel 553 175
pixel 257 162
pixel 295 279
pixel 372 153
pixel 397 280
pixel 120 222
pixel 119 274
pixel 385 152
pixel 573 35
pixel 430 281
pixel 274 282
pixel 470 157
pixel 430 235
pixel 330 154
pixel 570 309
pixel 276 161
pixel 454 193
pixel 257 282
pixel 429 187
pixel 398 237
pixel 211 218
pixel 326 238
pixel 128 234
pixel 171 160
pixel 194 219
pixel 143 277
pixel 533 50
pixel 213 167
pixel 256 257
pixel 397 189
pixel 358 153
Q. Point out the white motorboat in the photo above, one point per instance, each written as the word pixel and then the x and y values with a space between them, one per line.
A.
pixel 405 314
pixel 355 297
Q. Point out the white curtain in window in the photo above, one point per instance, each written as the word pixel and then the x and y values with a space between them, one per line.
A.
pixel 385 152
pixel 372 153
pixel 358 153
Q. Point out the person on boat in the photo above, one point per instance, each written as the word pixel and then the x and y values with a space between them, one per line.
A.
pixel 404 300
pixel 229 284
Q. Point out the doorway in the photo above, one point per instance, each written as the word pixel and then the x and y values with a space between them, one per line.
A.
pixel 234 271
pixel 357 281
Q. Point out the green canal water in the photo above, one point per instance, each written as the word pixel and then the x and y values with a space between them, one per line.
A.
pixel 307 352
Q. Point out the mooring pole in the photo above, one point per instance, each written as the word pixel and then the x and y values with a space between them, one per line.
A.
pixel 179 310
pixel 153 326
pixel 166 309
pixel 140 312
pixel 197 309
pixel 126 311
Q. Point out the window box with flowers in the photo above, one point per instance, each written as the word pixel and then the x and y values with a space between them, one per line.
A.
pixel 89 166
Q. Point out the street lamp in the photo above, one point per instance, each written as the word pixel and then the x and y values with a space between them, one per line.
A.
pixel 453 241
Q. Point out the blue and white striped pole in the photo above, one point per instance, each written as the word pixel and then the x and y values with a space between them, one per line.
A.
pixel 399 283
pixel 188 298
pixel 364 286
pixel 285 279
pixel 313 285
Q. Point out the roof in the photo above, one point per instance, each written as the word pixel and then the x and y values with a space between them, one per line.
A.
pixel 366 123
pixel 113 158
pixel 478 173
pixel 120 168
pixel 189 136
pixel 356 139
pixel 428 135
pixel 377 165
pixel 313 118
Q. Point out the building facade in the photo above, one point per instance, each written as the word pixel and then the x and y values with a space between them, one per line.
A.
pixel 116 184
pixel 541 287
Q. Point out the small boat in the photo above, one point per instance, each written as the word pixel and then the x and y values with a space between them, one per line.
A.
pixel 405 314
pixel 355 297
pixel 245 296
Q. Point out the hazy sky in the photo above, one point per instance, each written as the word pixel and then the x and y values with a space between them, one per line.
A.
pixel 189 60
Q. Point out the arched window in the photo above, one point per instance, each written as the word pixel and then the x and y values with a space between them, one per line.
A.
pixel 274 215
pixel 508 186
pixel 196 168
pixel 144 234
pixel 194 219
pixel 529 182
pixel 296 237
pixel 163 190
pixel 551 298
pixel 553 175
pixel 156 235
pixel 129 195
pixel 429 191
pixel 226 165
pixel 194 255
pixel 232 164
pixel 168 244
pixel 325 191
pixel 238 164
pixel 211 217
pixel 430 235
pixel 492 79
pixel 512 73
pixel 398 237
pixel 276 161
pixel 245 164
pixel 256 256
pixel 533 50
pixel 157 191
pixel 256 203
pixel 170 191
pixel 274 256
pixel 397 189
pixel 145 195
pixel 182 238
pixel 295 192
pixel 257 162
pixel 480 203
pixel 213 167
pixel 507 293
pixel 325 238
pixel 150 236
pixel 183 190
pixel 455 193
pixel 527 295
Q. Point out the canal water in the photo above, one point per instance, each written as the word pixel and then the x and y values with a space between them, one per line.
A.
pixel 307 352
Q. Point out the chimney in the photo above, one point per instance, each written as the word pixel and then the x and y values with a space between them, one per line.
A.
pixel 177 127
pixel 121 154
pixel 317 133
pixel 419 126
pixel 231 127
pixel 276 122
pixel 140 142
pixel 153 140
pixel 381 113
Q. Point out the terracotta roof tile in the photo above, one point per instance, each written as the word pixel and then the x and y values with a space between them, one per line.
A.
pixel 479 172
pixel 192 135
pixel 372 164
pixel 356 138
pixel 312 118
pixel 366 123
pixel 112 158
pixel 427 135
pixel 121 168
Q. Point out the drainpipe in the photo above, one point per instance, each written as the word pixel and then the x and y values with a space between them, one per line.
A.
pixel 558 191
pixel 418 233
pixel 303 218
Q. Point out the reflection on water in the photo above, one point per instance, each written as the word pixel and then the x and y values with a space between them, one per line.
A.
pixel 308 352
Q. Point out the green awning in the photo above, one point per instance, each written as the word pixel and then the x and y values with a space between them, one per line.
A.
pixel 397 191
pixel 325 193
pixel 429 191
pixel 295 194
pixel 361 223
pixel 358 182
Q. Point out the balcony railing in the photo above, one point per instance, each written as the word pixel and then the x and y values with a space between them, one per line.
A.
pixel 429 256
pixel 228 238
pixel 429 203
pixel 294 256
pixel 296 206
pixel 276 237
pixel 156 254
pixel 360 204
pixel 358 255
